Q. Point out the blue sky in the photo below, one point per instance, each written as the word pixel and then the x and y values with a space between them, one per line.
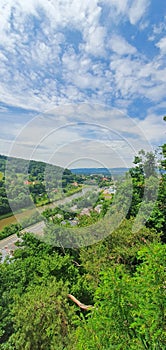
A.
pixel 82 79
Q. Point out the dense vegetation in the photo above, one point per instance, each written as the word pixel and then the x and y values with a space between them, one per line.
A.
pixel 24 183
pixel 122 277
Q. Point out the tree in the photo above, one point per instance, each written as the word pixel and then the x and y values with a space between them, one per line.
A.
pixel 42 318
pixel 142 175
pixel 129 310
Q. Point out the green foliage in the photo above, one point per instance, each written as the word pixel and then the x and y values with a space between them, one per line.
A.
pixel 33 219
pixel 145 169
pixel 10 230
pixel 42 318
pixel 30 181
pixel 129 310
pixel 35 284
pixel 16 228
pixel 157 218
pixel 149 192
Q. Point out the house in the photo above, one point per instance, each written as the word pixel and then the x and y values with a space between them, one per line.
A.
pixel 74 208
pixel 85 211
pixel 58 216
pixel 63 222
pixel 109 190
pixel 98 208
pixel 74 222
pixel 75 183
pixel 55 190
pixel 27 182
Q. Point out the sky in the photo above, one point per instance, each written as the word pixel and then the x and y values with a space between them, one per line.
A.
pixel 82 83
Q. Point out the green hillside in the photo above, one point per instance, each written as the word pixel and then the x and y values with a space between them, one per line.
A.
pixel 25 182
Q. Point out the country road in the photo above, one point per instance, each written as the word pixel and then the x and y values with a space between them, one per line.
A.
pixel 7 245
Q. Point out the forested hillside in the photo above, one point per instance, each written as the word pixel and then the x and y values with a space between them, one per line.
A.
pixel 24 182
pixel 120 282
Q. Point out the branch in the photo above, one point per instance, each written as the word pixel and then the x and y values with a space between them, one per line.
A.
pixel 82 306
pixel 76 263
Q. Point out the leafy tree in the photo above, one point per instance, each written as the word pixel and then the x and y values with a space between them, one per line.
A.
pixel 145 169
pixel 42 318
pixel 10 230
pixel 129 311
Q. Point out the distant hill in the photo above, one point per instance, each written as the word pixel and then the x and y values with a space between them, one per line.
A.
pixel 99 171
pixel 26 182
pixel 19 165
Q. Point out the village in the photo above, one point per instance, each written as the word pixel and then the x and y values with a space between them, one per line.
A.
pixel 87 208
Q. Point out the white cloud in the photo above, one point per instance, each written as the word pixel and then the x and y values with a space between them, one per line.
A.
pixel 158 29
pixel 57 52
pixel 162 45
pixel 33 77
pixel 92 131
pixel 95 41
pixel 138 78
pixel 155 128
pixel 134 11
pixel 120 6
pixel 45 68
pixel 159 106
pixel 119 45
pixel 137 10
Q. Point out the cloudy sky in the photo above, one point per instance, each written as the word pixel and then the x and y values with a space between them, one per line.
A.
pixel 82 82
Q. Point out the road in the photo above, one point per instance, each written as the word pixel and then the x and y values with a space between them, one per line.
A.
pixel 7 245
pixel 36 228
